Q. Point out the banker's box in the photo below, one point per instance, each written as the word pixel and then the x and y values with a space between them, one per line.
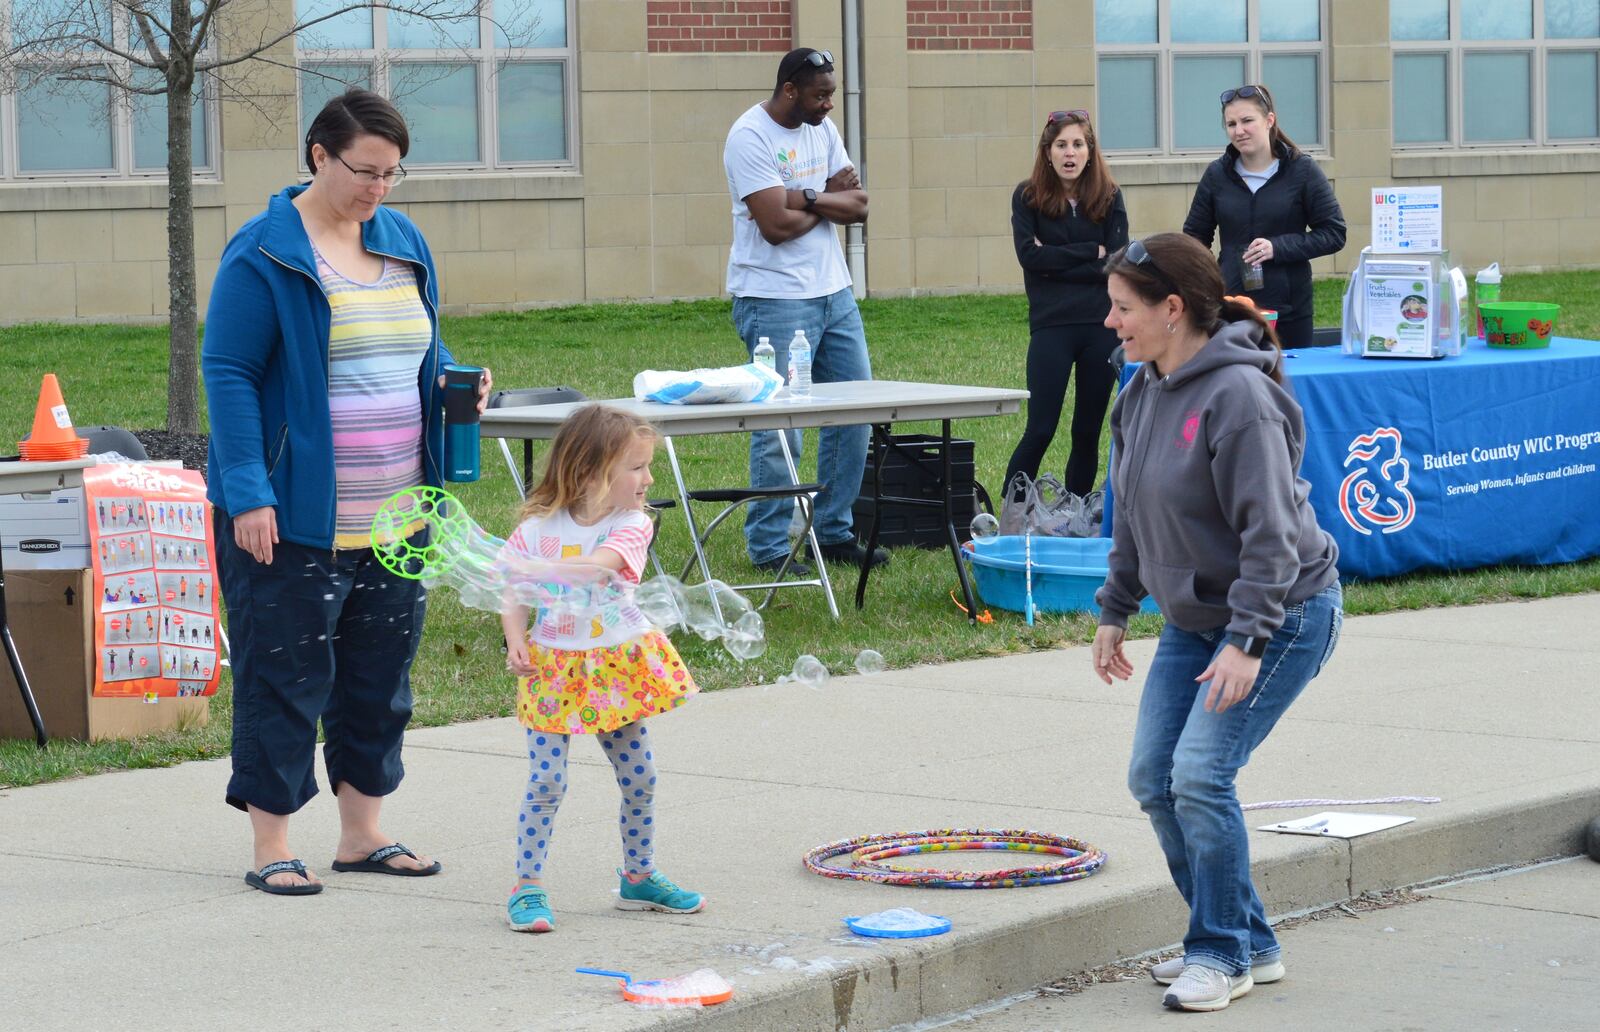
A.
pixel 48 530
pixel 52 621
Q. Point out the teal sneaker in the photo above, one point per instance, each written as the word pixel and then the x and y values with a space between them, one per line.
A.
pixel 528 910
pixel 657 893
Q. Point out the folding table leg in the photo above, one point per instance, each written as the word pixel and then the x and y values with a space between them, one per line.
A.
pixel 17 672
pixel 694 530
pixel 811 528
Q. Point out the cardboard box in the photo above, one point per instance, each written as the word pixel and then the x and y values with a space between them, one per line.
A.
pixel 52 623
pixel 48 530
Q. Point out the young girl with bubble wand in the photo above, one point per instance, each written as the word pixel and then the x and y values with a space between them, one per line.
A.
pixel 596 666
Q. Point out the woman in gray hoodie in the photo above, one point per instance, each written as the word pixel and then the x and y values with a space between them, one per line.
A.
pixel 1212 520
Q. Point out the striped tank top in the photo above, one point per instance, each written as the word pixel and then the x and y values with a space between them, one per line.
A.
pixel 380 335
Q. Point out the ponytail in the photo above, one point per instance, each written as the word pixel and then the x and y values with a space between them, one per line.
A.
pixel 1241 308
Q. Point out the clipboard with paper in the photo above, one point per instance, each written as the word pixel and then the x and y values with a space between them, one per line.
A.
pixel 1332 824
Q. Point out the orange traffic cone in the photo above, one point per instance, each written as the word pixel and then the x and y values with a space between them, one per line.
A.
pixel 53 436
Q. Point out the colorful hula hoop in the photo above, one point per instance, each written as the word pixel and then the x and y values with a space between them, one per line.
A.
pixel 868 853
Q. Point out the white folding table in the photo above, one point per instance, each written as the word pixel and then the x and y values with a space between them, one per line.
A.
pixel 878 403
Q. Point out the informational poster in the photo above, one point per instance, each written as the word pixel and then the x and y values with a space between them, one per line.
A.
pixel 1399 312
pixel 156 614
pixel 1407 219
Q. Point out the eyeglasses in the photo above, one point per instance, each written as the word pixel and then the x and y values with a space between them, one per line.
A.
pixel 1062 116
pixel 1245 93
pixel 1136 254
pixel 386 178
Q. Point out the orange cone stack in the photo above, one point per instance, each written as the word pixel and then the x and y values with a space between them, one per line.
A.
pixel 53 437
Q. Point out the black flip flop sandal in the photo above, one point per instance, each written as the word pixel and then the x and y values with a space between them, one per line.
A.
pixel 374 863
pixel 258 879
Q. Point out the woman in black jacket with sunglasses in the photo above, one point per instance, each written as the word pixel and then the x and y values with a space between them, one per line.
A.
pixel 1274 208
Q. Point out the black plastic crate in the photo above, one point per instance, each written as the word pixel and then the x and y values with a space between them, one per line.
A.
pixel 911 470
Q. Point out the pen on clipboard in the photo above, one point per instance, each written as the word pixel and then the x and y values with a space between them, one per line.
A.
pixel 1321 826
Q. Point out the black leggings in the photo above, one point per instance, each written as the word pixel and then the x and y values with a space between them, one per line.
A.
pixel 1053 353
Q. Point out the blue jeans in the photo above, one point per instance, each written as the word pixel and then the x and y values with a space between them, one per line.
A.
pixel 838 352
pixel 1185 761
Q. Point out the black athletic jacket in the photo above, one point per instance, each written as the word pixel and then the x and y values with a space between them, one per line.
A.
pixel 1064 274
pixel 1296 197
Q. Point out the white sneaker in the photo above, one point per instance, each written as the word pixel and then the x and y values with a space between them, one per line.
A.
pixel 1262 973
pixel 1205 989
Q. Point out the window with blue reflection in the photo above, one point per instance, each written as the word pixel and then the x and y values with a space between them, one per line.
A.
pixel 1208 21
pixel 351 30
pixel 533 111
pixel 1125 21
pixel 530 23
pixel 149 113
pixel 321 81
pixel 1421 110
pixel 63 126
pixel 440 104
pixel 1294 83
pixel 1496 19
pixel 1496 102
pixel 1572 83
pixel 1126 94
pixel 1572 19
pixel 1419 19
pixel 1291 21
pixel 454 26
pixel 1197 85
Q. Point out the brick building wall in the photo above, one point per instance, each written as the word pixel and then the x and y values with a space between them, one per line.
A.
pixel 719 26
pixel 969 24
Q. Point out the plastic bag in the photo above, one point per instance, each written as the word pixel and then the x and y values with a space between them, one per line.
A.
pixel 750 382
pixel 1045 507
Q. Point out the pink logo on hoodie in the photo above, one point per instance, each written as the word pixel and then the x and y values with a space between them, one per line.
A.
pixel 1191 429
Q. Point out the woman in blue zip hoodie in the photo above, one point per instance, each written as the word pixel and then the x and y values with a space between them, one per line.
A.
pixel 323 373
pixel 1212 520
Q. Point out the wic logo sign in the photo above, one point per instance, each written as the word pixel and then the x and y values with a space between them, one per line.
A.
pixel 1373 494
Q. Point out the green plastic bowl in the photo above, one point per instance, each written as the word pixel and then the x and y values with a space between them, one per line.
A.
pixel 1521 325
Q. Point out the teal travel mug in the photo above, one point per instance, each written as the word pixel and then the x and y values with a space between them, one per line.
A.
pixel 461 422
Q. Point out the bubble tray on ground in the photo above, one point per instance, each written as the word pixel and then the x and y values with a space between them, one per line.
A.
pixel 1066 572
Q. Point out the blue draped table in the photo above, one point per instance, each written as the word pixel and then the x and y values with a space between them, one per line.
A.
pixel 1486 458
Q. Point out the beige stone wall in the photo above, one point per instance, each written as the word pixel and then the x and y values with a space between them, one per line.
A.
pixel 646 213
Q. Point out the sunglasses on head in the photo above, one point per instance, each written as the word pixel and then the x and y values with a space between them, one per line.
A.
pixel 1062 116
pixel 1245 93
pixel 817 59
pixel 1136 254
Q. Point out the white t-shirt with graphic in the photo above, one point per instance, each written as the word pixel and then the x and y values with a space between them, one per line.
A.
pixel 761 154
pixel 626 532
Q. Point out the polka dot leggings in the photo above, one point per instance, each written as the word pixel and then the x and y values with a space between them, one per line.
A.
pixel 628 749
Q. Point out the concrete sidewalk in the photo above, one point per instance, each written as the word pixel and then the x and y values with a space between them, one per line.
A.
pixel 122 904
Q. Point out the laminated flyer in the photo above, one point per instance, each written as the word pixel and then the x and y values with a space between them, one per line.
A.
pixel 154 565
pixel 1399 309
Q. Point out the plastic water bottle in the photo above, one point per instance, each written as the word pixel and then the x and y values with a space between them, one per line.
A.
pixel 1486 287
pixel 764 354
pixel 800 365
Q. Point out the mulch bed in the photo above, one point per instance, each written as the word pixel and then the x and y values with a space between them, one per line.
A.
pixel 190 449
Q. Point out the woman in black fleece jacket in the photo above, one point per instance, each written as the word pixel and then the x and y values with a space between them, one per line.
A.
pixel 1066 218
pixel 1273 205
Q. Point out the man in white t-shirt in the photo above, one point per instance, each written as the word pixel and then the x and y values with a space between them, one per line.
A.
pixel 791 183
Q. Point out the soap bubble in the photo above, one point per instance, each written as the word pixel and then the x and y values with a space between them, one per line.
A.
pixel 984 526
pixel 869 661
pixel 661 601
pixel 747 638
pixel 809 671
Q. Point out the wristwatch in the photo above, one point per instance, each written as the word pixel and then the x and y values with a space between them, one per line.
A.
pixel 811 197
pixel 1255 648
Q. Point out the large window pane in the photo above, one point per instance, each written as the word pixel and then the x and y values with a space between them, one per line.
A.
pixel 455 27
pixel 1197 83
pixel 1421 109
pixel 1419 19
pixel 1208 21
pixel 321 81
pixel 1127 96
pixel 533 111
pixel 1496 19
pixel 440 102
pixel 150 128
pixel 1495 101
pixel 1571 87
pixel 42 21
pixel 1125 21
pixel 351 30
pixel 1293 80
pixel 63 126
pixel 1572 19
pixel 1284 21
pixel 539 23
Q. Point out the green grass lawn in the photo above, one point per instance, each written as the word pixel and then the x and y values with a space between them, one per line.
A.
pixel 117 375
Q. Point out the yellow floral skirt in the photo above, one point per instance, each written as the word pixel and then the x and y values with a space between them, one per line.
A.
pixel 595 691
